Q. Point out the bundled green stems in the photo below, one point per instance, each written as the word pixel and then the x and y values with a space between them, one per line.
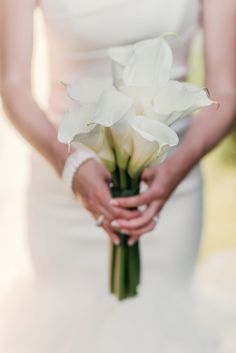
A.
pixel 124 259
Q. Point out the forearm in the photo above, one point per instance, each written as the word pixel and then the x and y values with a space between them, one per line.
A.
pixel 32 123
pixel 206 130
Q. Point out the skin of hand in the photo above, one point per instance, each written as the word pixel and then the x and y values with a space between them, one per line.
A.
pixel 95 195
pixel 207 128
pixel 32 123
pixel 161 182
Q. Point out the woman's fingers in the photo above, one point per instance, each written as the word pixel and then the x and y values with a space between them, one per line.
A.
pixel 138 222
pixel 103 211
pixel 156 190
pixel 148 175
pixel 114 237
pixel 121 213
pixel 135 201
pixel 103 197
pixel 134 236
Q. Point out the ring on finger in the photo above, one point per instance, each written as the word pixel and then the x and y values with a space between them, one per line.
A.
pixel 100 220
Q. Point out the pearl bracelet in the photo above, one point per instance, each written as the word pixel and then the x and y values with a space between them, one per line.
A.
pixel 73 162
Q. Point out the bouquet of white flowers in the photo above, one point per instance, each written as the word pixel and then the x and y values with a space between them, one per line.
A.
pixel 126 122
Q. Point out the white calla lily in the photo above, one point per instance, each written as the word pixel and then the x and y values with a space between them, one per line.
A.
pixel 106 152
pixel 88 90
pixel 120 133
pixel 76 122
pixel 74 127
pixel 146 63
pixel 114 110
pixel 108 108
pixel 112 107
pixel 177 100
pixel 151 141
pixel 127 124
pixel 142 96
pixel 120 57
pixel 144 75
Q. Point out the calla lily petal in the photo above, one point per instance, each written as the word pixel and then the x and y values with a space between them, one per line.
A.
pixel 142 151
pixel 150 64
pixel 141 95
pixel 74 128
pixel 155 130
pixel 106 153
pixel 121 55
pixel 93 139
pixel 115 110
pixel 88 90
pixel 112 107
pixel 76 122
pixel 146 63
pixel 177 100
pixel 151 142
pixel 122 142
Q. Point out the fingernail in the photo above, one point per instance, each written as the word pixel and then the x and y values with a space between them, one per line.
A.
pixel 114 202
pixel 116 241
pixel 115 224
pixel 131 243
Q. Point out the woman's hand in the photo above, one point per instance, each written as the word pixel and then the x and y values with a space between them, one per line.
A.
pixel 91 185
pixel 161 182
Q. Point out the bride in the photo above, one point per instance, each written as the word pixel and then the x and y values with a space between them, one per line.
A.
pixel 65 306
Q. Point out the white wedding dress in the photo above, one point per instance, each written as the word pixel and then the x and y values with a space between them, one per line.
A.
pixel 64 306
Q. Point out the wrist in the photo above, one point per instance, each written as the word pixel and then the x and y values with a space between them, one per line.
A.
pixel 61 152
pixel 179 164
pixel 73 162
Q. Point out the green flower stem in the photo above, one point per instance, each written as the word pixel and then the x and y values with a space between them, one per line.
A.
pixel 124 260
pixel 112 266
pixel 132 271
pixel 134 183
pixel 120 279
pixel 123 179
pixel 138 262
pixel 115 179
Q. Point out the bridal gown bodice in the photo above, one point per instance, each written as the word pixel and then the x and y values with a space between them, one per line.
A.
pixel 81 31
